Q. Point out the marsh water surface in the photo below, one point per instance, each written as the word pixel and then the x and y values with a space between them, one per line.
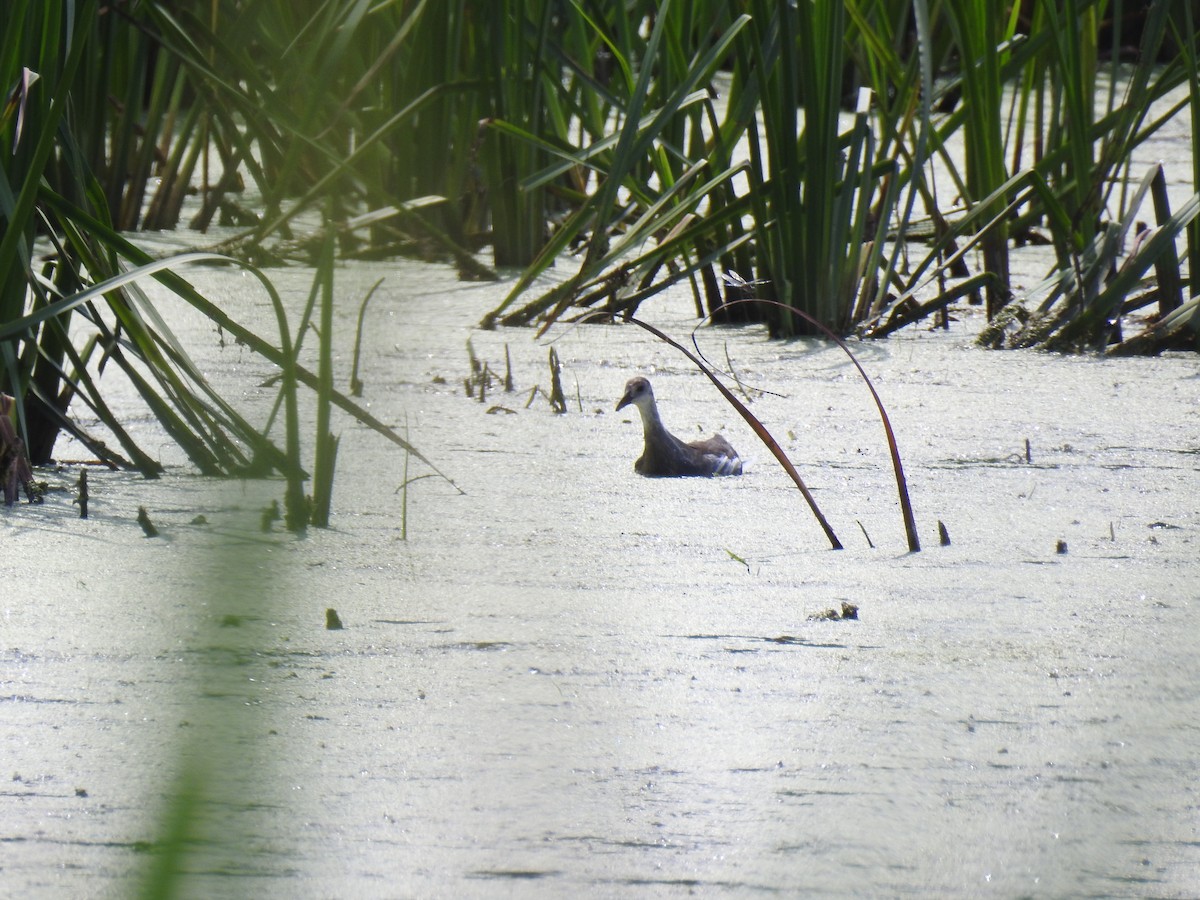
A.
pixel 571 679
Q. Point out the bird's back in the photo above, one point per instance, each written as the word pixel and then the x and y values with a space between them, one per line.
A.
pixel 673 458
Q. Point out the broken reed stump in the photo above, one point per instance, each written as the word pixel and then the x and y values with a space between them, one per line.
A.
pixel 82 499
pixel 143 519
pixel 848 611
pixel 558 402
pixel 270 515
pixel 15 470
pixel 870 543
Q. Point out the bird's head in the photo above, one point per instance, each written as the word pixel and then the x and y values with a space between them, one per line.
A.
pixel 637 392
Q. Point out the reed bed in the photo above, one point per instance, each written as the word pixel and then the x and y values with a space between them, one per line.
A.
pixel 599 138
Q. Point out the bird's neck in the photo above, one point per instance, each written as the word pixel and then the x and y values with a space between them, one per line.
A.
pixel 650 420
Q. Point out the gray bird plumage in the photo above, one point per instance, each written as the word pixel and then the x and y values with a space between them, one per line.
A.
pixel 665 455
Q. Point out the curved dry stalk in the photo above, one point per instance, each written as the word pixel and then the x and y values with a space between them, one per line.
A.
pixel 757 426
pixel 910 527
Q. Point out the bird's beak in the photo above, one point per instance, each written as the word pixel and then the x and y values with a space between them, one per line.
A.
pixel 624 402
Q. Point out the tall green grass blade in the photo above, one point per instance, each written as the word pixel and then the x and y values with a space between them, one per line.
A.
pixel 326 442
pixel 221 768
pixel 980 35
pixel 617 159
pixel 1185 36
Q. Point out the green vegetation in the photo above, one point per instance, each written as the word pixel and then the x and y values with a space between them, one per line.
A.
pixel 774 151
pixel 79 138
pixel 781 158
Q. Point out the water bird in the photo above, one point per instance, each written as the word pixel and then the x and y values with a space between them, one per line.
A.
pixel 666 456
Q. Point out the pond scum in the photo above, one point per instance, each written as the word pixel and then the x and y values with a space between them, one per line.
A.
pixel 777 154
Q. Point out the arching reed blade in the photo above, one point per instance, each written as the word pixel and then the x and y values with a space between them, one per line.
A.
pixel 757 426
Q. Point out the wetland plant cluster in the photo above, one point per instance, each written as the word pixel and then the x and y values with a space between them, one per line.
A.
pixel 778 153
